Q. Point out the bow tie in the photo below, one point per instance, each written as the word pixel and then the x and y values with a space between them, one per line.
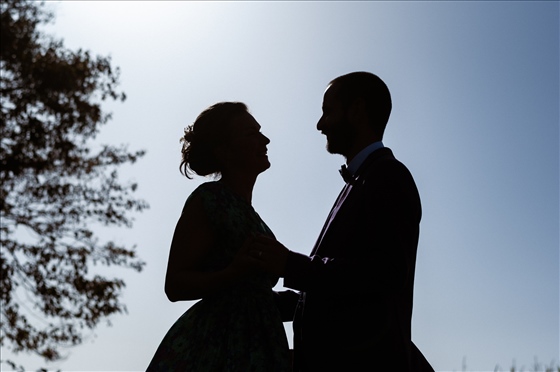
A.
pixel 346 175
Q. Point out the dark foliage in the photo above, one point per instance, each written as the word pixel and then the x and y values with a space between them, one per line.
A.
pixel 54 188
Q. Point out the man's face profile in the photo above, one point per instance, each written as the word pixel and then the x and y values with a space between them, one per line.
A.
pixel 334 124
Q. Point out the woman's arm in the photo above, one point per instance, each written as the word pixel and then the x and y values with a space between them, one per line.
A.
pixel 192 240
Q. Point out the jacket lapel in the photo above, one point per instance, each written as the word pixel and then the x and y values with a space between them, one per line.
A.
pixel 341 197
pixel 370 160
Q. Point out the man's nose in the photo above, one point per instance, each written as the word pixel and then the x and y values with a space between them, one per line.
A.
pixel 320 124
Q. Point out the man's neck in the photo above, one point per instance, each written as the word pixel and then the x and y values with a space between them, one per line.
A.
pixel 355 163
pixel 360 144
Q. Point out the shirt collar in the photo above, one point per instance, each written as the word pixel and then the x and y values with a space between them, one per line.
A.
pixel 362 155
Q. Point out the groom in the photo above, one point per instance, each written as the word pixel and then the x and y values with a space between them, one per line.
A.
pixel 354 309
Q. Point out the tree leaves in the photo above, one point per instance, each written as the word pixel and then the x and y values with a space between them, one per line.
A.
pixel 55 188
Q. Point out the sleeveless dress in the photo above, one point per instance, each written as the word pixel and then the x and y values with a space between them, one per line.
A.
pixel 240 328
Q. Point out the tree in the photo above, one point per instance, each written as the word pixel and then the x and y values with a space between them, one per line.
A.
pixel 55 187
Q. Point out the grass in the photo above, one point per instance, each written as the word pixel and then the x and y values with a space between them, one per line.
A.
pixel 535 367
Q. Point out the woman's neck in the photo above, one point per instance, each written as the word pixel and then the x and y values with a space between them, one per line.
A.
pixel 241 186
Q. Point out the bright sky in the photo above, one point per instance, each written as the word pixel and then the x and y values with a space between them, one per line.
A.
pixel 475 89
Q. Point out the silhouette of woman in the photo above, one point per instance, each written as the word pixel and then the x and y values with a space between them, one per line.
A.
pixel 236 325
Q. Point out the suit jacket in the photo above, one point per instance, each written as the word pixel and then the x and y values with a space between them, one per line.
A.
pixel 356 288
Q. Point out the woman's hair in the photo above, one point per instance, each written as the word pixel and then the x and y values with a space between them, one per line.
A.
pixel 209 131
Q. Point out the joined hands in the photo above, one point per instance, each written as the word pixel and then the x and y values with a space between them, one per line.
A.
pixel 267 254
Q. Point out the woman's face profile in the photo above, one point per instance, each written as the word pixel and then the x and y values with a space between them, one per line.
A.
pixel 246 149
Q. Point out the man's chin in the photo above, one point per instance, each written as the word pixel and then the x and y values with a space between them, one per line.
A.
pixel 333 149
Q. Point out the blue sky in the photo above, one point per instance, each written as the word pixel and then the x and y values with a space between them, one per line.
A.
pixel 475 89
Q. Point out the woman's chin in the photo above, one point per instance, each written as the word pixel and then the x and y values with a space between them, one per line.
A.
pixel 265 166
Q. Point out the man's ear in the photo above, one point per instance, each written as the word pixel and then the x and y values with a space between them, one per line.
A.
pixel 357 111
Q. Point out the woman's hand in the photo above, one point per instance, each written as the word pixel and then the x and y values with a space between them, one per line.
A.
pixel 268 254
pixel 243 264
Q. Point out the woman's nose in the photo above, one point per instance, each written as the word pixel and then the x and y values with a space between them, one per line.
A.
pixel 266 139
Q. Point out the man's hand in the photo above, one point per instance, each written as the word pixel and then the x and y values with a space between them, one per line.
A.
pixel 268 254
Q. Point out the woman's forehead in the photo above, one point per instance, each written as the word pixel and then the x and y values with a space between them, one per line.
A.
pixel 245 120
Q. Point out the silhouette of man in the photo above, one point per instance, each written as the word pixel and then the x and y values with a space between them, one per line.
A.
pixel 354 308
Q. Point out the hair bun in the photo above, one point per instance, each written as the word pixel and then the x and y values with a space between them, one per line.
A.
pixel 197 152
pixel 188 135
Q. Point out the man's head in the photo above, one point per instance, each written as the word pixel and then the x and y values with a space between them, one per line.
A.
pixel 356 108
